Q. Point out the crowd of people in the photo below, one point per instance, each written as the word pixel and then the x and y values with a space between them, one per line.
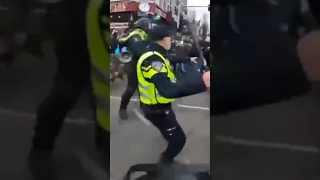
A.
pixel 182 46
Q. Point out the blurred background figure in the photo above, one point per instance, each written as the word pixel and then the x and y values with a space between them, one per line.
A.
pixel 271 36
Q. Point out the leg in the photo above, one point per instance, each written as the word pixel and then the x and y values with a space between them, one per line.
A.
pixel 127 95
pixel 52 111
pixel 49 120
pixel 171 131
pixel 73 74
pixel 72 78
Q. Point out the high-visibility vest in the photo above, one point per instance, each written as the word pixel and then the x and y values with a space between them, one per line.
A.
pixel 98 46
pixel 148 93
pixel 137 31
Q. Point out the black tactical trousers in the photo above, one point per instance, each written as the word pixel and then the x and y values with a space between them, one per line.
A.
pixel 166 122
pixel 131 88
pixel 72 78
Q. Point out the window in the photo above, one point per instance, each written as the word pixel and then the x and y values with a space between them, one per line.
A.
pixel 176 11
pixel 166 6
pixel 177 3
pixel 161 4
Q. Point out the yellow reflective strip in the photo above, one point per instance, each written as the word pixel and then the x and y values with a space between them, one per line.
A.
pixel 164 100
pixel 146 96
pixel 145 91
pixel 164 69
pixel 146 68
pixel 123 39
pixel 153 72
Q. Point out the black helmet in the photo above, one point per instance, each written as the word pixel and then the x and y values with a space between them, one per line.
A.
pixel 143 23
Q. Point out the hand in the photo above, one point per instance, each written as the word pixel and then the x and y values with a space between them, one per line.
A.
pixel 206 79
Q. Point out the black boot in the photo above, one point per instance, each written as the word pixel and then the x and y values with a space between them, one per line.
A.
pixel 41 165
pixel 165 160
pixel 123 114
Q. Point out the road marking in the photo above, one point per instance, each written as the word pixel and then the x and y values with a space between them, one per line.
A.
pixel 77 121
pixel 179 105
pixel 141 117
pixel 92 167
pixel 271 145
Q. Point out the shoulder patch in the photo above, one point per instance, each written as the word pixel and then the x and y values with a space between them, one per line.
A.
pixel 157 65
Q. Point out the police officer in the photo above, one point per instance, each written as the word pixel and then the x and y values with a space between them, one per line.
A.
pixel 138 34
pixel 73 77
pixel 158 88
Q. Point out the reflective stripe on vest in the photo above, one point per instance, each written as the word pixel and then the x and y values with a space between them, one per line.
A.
pixel 148 93
pixel 100 62
pixel 137 31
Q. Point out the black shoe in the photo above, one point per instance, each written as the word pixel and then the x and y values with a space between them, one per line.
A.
pixel 164 160
pixel 41 165
pixel 123 114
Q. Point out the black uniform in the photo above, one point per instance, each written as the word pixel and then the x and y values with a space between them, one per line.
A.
pixel 135 49
pixel 73 72
pixel 162 115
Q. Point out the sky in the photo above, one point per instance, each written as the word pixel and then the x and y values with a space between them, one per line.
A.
pixel 200 10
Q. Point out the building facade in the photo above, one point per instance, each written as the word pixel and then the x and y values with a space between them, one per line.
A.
pixel 124 12
pixel 179 10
